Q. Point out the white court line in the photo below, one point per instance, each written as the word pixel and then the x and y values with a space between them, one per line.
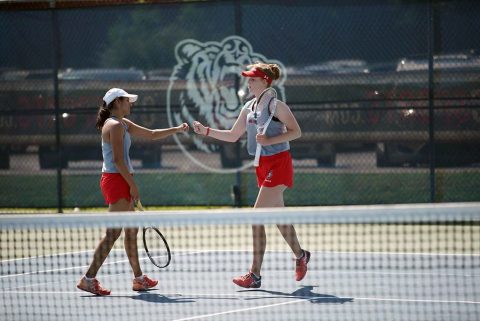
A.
pixel 238 310
pixel 198 251
pixel 76 267
pixel 313 298
pixel 48 271
pixel 69 268
pixel 376 272
pixel 181 252
pixel 324 272
pixel 60 254
pixel 334 252
pixel 418 300
pixel 266 296
pixel 192 251
pixel 46 256
pixel 401 253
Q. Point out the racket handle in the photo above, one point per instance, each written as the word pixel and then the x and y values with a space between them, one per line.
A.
pixel 256 161
pixel 139 205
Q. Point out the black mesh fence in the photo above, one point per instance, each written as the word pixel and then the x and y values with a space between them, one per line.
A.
pixel 386 92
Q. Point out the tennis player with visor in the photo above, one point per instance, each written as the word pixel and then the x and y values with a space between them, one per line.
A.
pixel 118 184
pixel 270 125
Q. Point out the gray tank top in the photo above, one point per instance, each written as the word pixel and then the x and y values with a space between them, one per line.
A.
pixel 107 151
pixel 274 129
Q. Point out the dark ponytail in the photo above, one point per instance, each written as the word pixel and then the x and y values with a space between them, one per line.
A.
pixel 102 115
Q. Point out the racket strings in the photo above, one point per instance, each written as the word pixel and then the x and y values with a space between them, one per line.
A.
pixel 156 247
pixel 264 101
pixel 155 243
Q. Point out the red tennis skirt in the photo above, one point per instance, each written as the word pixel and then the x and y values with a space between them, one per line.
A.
pixel 275 170
pixel 114 187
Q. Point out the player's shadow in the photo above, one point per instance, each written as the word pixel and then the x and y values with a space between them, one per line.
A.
pixel 159 298
pixel 305 292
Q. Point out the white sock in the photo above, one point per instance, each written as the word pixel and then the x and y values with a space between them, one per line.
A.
pixel 257 276
pixel 88 279
pixel 140 278
pixel 303 254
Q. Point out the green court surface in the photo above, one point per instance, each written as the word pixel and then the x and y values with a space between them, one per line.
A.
pixel 210 189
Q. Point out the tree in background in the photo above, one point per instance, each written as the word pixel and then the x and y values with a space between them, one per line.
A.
pixel 146 38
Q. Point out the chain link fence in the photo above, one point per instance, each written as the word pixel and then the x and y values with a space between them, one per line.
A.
pixel 386 93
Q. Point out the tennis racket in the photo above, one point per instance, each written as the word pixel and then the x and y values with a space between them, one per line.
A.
pixel 155 244
pixel 264 100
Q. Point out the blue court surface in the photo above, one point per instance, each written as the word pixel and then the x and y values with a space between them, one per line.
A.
pixel 197 286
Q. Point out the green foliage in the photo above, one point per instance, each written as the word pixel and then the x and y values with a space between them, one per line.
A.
pixel 145 39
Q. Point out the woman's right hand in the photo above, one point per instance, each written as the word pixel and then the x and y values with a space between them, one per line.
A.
pixel 198 128
pixel 134 193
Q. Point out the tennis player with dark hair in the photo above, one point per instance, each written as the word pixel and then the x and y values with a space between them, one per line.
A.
pixel 118 185
pixel 275 169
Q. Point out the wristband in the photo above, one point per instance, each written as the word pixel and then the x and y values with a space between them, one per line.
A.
pixel 208 131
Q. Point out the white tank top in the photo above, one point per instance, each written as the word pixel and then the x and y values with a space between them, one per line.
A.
pixel 107 151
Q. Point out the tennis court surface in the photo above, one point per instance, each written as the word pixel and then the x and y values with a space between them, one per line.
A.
pixel 392 262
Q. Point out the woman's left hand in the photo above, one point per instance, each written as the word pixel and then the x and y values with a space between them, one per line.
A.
pixel 262 139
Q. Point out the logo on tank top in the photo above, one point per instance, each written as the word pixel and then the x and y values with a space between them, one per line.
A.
pixel 206 85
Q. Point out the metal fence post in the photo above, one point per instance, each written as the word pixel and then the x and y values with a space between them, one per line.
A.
pixel 56 62
pixel 431 115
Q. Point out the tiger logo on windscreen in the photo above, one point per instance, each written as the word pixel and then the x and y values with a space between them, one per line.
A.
pixel 206 85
